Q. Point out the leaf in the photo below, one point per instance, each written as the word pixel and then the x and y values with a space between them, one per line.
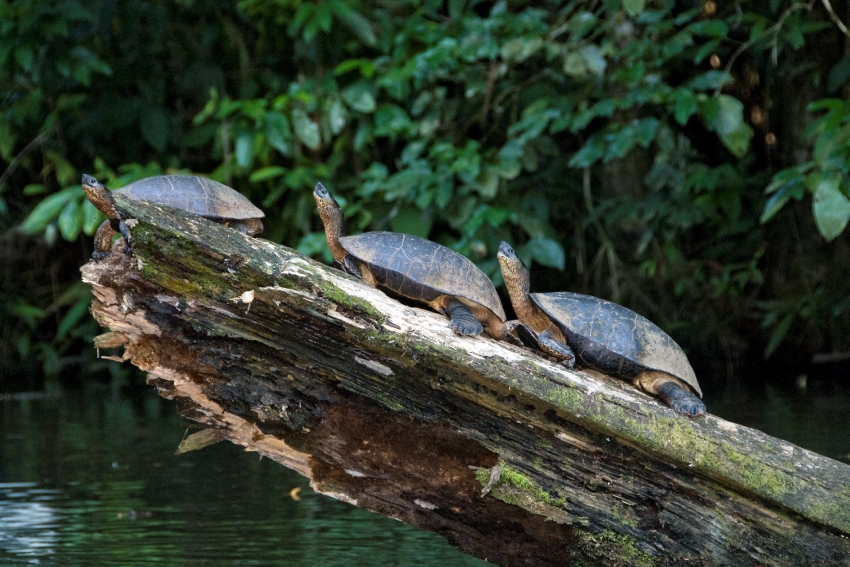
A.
pixel 70 221
pixel 709 81
pixel 46 211
pixel 707 49
pixel 590 153
pixel 361 26
pixel 831 207
pixel 686 106
pixel 594 58
pixel 546 251
pixel 390 120
pixel 65 172
pixel 839 74
pixel 359 97
pixel 278 132
pixel 313 244
pixel 711 28
pixel 24 56
pixel 574 64
pixel 154 125
pixel 72 317
pixel 92 218
pixel 778 334
pixel 725 115
pixel 266 173
pixel 337 116
pixel 633 7
pixel 306 130
pixel 34 189
pixel 244 150
pixel 619 143
pixel 646 130
pixel 7 141
pixel 779 198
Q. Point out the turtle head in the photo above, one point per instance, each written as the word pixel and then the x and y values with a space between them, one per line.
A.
pixel 99 196
pixel 331 214
pixel 514 272
pixel 329 209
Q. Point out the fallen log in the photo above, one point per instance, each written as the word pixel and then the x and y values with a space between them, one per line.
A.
pixel 505 453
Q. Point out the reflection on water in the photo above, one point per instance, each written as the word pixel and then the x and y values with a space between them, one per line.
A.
pixel 816 417
pixel 91 479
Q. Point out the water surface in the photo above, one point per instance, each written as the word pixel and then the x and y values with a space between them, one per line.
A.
pixel 89 477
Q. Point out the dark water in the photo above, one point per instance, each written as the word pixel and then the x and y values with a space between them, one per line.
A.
pixel 89 477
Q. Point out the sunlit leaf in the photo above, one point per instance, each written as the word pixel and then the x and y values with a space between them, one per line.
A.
pixel 831 207
pixel 244 150
pixel 594 59
pixel 359 97
pixel 278 132
pixel 306 130
pixel 725 115
pixel 337 116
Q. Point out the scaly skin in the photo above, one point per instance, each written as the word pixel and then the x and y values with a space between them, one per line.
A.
pixel 550 339
pixel 467 318
pixel 101 197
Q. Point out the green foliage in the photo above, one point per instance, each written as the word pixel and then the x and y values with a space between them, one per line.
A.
pixel 605 141
pixel 825 176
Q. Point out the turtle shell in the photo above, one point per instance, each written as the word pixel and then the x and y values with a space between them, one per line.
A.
pixel 198 195
pixel 419 269
pixel 615 339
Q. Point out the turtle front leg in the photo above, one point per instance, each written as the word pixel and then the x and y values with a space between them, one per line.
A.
pixel 681 400
pixel 549 344
pixel 463 321
pixel 349 265
pixel 103 240
pixel 125 232
pixel 671 391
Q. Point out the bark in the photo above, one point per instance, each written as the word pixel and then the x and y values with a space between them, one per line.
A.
pixel 505 453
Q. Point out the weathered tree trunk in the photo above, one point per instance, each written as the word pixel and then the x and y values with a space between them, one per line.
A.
pixel 381 405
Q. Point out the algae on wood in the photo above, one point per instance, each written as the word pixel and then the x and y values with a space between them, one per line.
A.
pixel 381 405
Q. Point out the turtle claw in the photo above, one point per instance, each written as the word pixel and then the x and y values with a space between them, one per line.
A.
pixel 465 327
pixel 97 255
pixel 569 362
pixel 690 408
pixel 463 322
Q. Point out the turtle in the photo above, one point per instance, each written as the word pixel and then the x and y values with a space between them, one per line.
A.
pixel 603 335
pixel 417 269
pixel 199 195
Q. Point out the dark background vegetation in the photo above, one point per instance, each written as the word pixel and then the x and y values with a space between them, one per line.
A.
pixel 686 159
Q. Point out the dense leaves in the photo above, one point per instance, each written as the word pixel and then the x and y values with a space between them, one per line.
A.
pixel 620 146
